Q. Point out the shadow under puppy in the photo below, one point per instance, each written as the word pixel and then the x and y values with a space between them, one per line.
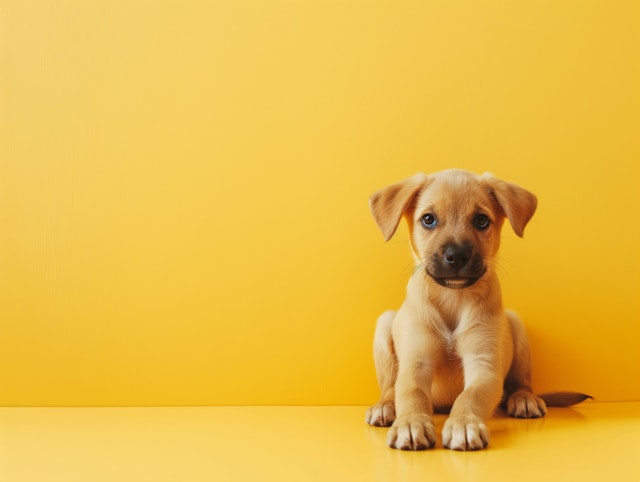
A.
pixel 451 346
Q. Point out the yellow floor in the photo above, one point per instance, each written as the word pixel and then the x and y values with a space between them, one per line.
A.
pixel 594 441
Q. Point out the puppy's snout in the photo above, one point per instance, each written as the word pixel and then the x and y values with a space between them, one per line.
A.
pixel 457 255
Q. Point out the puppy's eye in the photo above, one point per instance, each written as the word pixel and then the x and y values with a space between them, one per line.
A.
pixel 428 221
pixel 481 221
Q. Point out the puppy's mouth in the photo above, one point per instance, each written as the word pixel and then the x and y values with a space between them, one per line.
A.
pixel 456 282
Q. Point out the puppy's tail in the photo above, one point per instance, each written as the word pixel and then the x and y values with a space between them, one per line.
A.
pixel 563 399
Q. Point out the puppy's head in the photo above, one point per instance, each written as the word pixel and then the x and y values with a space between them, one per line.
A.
pixel 454 218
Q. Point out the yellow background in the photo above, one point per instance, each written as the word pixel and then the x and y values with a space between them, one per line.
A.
pixel 183 189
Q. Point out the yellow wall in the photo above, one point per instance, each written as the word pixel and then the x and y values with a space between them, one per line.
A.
pixel 183 189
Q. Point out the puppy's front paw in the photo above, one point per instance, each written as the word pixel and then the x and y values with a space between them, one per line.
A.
pixel 469 433
pixel 523 404
pixel 415 432
pixel 382 414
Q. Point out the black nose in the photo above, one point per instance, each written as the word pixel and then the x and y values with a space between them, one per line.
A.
pixel 456 255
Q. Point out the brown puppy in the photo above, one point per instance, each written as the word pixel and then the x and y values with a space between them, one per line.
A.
pixel 451 344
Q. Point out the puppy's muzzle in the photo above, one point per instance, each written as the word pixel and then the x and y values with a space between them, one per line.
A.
pixel 456 256
pixel 456 266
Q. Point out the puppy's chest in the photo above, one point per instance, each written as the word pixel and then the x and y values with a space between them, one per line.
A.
pixel 448 328
pixel 447 342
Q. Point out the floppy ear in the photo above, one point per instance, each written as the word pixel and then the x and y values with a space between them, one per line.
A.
pixel 388 204
pixel 517 203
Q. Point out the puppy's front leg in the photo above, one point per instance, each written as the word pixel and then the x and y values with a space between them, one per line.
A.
pixel 413 427
pixel 465 429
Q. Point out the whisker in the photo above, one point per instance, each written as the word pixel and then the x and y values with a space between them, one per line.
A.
pixel 411 268
pixel 500 268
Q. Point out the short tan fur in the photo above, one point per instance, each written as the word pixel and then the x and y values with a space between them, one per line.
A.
pixel 451 346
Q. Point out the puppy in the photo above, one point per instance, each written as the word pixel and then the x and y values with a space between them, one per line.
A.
pixel 451 346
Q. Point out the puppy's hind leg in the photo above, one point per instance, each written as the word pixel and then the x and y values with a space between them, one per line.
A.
pixel 521 401
pixel 383 413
